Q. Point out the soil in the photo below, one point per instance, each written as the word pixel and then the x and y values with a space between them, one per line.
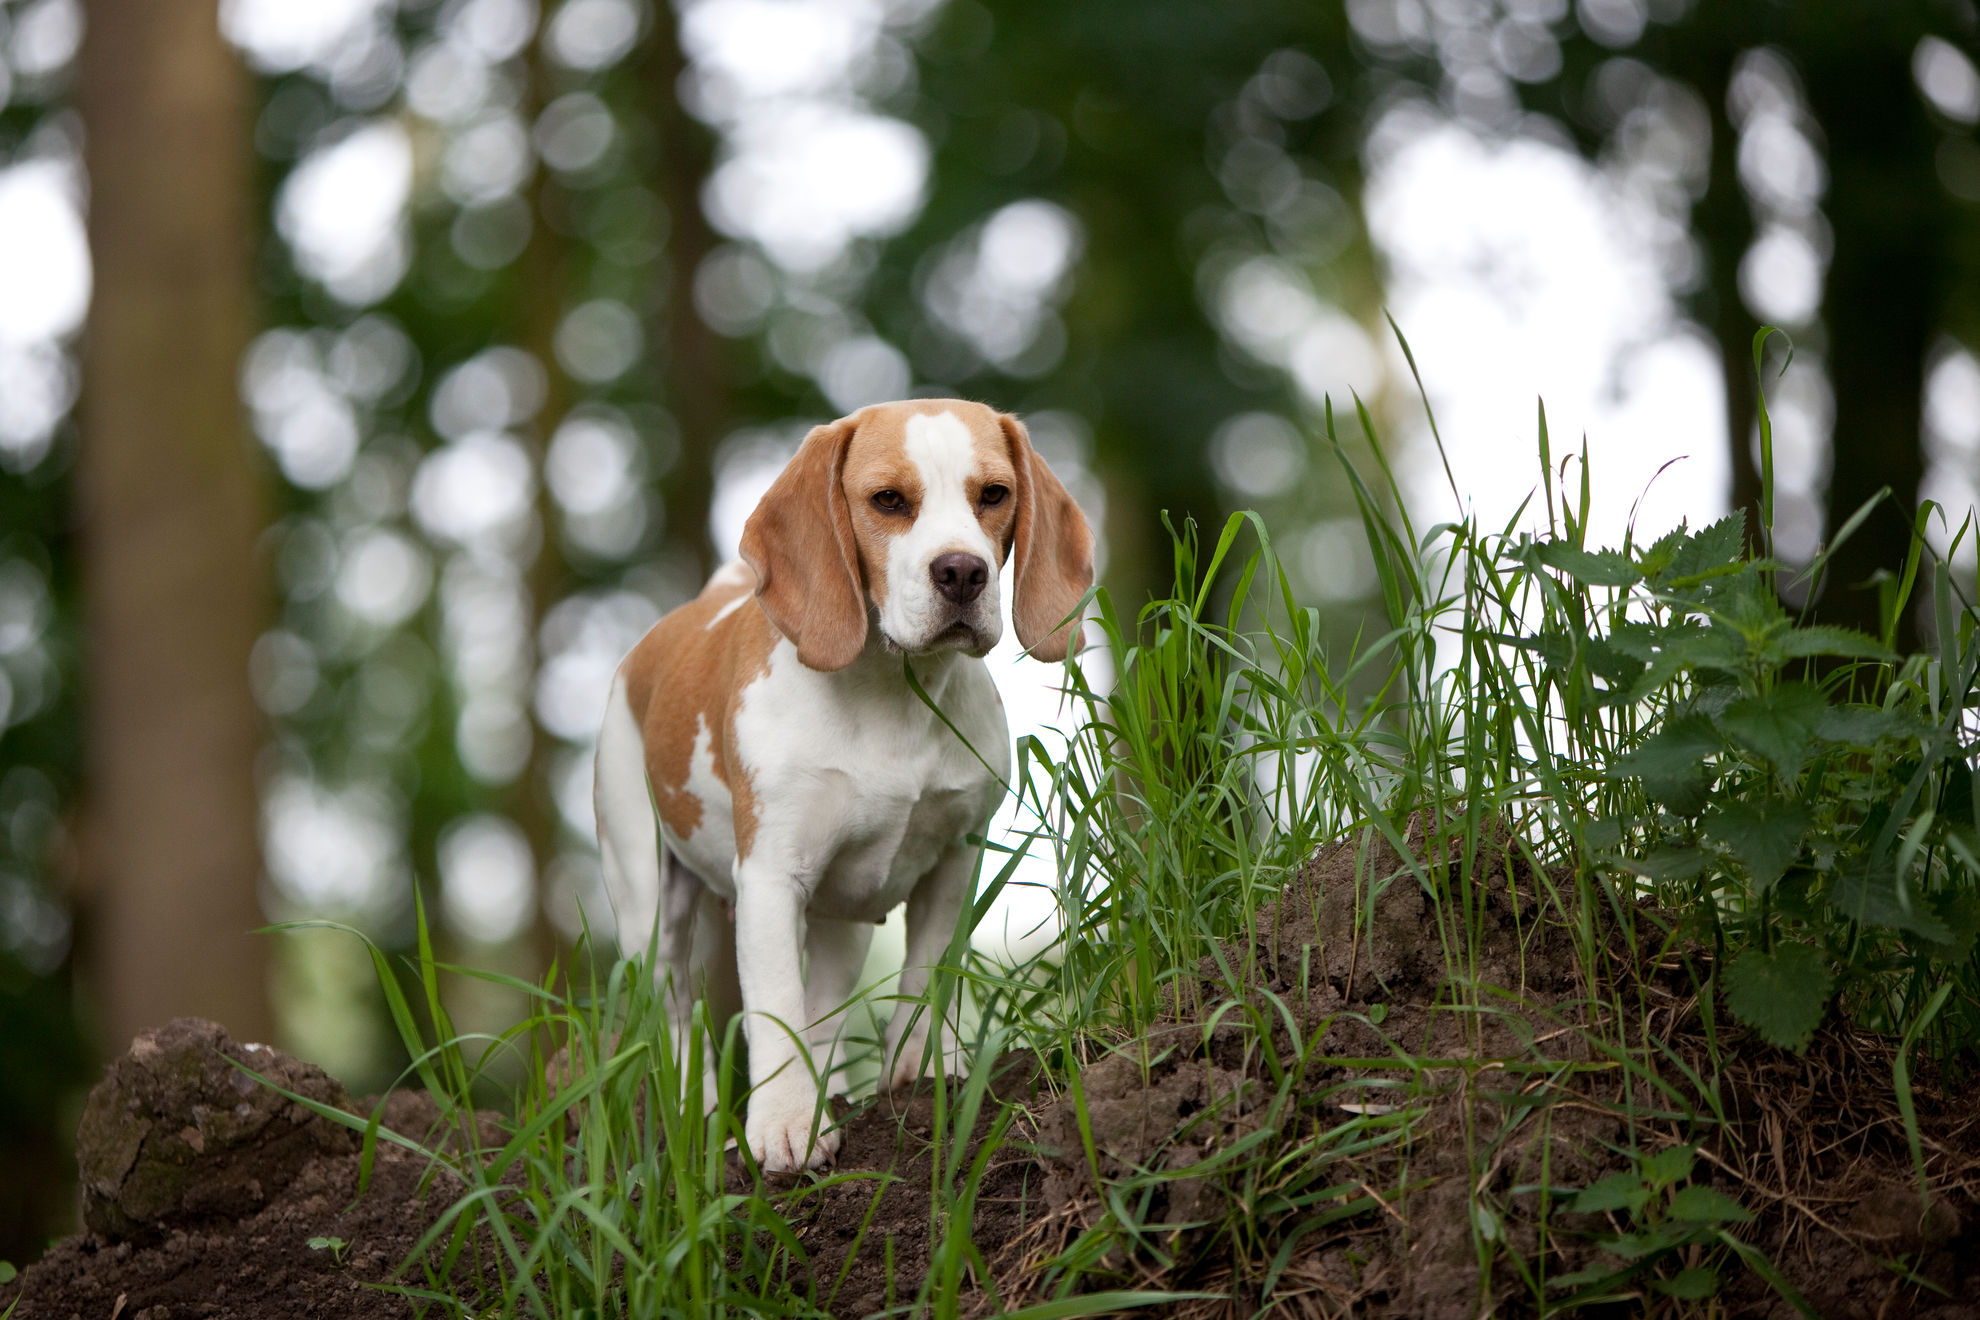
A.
pixel 203 1189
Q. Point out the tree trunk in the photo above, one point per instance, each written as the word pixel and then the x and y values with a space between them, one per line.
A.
pixel 694 361
pixel 539 306
pixel 1882 305
pixel 171 505
pixel 1724 221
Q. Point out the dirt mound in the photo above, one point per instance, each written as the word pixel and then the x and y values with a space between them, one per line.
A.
pixel 1421 1074
pixel 1345 972
pixel 1351 967
pixel 180 1133
pixel 1506 1094
pixel 203 1190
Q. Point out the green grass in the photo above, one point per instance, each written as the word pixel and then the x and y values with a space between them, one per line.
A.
pixel 1694 782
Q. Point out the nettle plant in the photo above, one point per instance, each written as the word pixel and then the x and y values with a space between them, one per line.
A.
pixel 1656 1215
pixel 1800 794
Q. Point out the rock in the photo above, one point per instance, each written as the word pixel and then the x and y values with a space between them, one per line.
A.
pixel 177 1134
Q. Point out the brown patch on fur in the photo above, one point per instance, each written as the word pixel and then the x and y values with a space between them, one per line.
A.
pixel 686 675
pixel 753 662
pixel 994 468
pixel 876 461
pixel 1054 549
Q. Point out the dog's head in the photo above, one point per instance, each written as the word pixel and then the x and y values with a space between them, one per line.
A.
pixel 901 516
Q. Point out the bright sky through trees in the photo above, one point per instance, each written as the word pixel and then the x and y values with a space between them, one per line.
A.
pixel 1517 269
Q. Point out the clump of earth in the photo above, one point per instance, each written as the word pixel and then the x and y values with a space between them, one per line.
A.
pixel 205 1184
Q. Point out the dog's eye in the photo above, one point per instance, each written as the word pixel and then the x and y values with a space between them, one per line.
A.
pixel 993 495
pixel 890 501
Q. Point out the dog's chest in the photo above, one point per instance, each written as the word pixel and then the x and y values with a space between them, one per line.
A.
pixel 858 787
pixel 887 842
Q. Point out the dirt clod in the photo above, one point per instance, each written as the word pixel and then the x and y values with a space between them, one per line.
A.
pixel 204 1190
pixel 179 1133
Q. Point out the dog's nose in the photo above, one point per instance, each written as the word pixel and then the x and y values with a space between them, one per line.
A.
pixel 960 577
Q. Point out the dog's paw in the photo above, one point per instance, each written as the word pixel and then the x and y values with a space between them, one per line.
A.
pixel 780 1132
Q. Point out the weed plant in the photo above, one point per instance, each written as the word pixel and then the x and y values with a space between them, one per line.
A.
pixel 1692 776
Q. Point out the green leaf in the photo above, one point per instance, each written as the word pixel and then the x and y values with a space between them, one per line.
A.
pixel 1699 1204
pixel 1618 1191
pixel 1782 995
pixel 1557 649
pixel 1862 725
pixel 1873 898
pixel 1748 606
pixel 1595 1274
pixel 1642 641
pixel 1669 1166
pixel 1596 568
pixel 1819 639
pixel 1669 650
pixel 1793 898
pixel 1659 556
pixel 1959 909
pixel 1610 663
pixel 1778 725
pixel 1667 864
pixel 1706 648
pixel 1604 835
pixel 1764 836
pixel 1711 549
pixel 1672 762
pixel 7 1271
pixel 1692 1285
pixel 1650 1242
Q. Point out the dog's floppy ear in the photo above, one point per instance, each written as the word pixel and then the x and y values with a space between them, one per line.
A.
pixel 1052 547
pixel 800 542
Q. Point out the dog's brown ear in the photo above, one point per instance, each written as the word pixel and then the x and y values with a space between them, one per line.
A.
pixel 1052 549
pixel 800 542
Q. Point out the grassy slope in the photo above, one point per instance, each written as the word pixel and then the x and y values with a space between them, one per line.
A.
pixel 1727 825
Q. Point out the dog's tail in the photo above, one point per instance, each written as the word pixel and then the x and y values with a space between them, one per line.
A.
pixel 628 834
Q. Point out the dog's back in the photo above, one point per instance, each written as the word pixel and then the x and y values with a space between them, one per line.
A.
pixel 664 756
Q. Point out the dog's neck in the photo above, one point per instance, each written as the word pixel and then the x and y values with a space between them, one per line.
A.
pixel 879 663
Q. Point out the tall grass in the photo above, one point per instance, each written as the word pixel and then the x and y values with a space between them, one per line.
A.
pixel 1651 717
pixel 1683 764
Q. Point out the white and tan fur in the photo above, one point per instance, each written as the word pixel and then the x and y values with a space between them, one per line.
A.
pixel 798 778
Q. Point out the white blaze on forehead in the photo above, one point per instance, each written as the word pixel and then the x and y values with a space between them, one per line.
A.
pixel 944 455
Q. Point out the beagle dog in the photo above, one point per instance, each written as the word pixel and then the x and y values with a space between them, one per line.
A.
pixel 797 778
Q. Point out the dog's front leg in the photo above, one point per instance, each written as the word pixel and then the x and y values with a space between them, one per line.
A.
pixel 932 909
pixel 834 956
pixel 785 1124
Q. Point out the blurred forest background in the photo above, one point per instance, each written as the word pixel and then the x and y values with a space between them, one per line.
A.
pixel 373 373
